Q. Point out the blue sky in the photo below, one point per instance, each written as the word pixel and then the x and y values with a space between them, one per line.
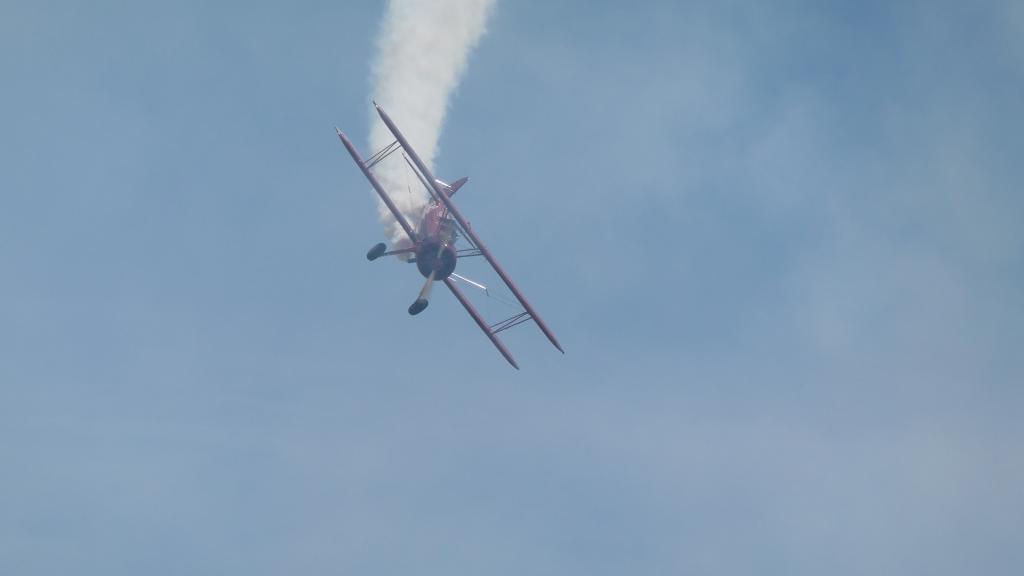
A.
pixel 780 244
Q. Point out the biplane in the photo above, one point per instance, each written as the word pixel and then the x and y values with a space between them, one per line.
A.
pixel 433 243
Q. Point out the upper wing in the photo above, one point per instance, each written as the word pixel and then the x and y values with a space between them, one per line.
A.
pixel 376 186
pixel 467 231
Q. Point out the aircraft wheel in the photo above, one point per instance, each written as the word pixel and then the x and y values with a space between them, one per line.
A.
pixel 376 251
pixel 418 306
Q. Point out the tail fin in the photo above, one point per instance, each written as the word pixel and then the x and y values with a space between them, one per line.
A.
pixel 452 188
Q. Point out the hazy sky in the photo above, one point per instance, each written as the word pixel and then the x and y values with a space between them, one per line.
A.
pixel 780 243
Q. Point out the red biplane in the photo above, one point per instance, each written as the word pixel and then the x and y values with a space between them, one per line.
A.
pixel 433 243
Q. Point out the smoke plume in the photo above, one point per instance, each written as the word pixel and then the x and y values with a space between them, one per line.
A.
pixel 421 54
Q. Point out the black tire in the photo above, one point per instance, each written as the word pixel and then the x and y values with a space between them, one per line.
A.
pixel 376 251
pixel 418 306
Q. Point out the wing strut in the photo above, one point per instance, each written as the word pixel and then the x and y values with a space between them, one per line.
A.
pixel 376 185
pixel 492 334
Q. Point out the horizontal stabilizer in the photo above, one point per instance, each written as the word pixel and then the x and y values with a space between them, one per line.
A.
pixel 452 188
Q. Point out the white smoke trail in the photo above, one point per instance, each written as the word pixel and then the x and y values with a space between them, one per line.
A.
pixel 421 54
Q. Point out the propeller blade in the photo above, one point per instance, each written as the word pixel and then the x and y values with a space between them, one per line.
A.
pixel 421 302
pixel 425 291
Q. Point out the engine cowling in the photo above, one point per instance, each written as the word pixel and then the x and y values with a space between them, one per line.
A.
pixel 433 257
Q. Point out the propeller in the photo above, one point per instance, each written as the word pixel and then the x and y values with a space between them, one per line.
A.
pixel 423 299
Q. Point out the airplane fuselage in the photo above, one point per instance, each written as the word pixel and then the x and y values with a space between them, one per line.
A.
pixel 435 249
